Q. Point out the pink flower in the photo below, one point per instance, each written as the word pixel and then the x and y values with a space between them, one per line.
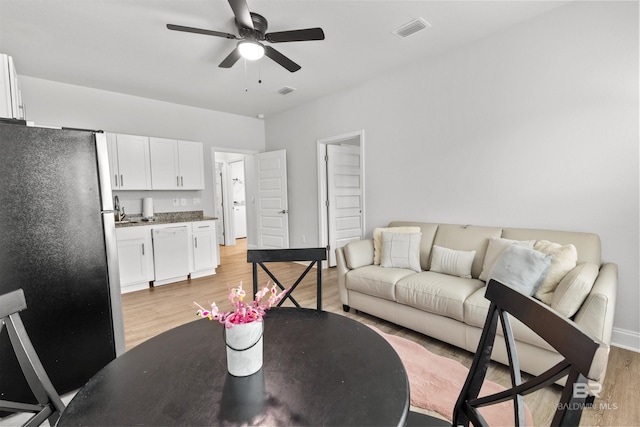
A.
pixel 243 313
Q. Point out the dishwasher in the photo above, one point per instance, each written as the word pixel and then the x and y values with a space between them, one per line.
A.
pixel 170 254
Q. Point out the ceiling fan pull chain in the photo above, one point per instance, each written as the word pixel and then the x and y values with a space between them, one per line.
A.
pixel 259 73
pixel 246 86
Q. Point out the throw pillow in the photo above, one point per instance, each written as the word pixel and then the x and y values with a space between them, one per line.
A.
pixel 377 239
pixel 451 261
pixel 401 250
pixel 574 288
pixel 564 260
pixel 520 268
pixel 496 246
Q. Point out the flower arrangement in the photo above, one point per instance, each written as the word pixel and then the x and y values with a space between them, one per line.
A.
pixel 243 312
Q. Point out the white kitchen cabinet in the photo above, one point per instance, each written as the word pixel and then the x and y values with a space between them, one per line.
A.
pixel 176 165
pixel 129 162
pixel 10 95
pixel 135 258
pixel 205 248
pixel 141 264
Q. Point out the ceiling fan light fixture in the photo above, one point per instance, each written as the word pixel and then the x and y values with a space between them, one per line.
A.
pixel 250 49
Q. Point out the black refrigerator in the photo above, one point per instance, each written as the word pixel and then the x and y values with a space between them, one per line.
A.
pixel 58 243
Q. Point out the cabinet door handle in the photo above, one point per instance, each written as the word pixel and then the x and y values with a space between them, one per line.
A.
pixel 177 181
pixel 143 249
pixel 116 177
pixel 182 181
pixel 196 242
pixel 121 181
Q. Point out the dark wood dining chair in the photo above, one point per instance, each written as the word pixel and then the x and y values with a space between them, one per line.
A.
pixel 258 257
pixel 584 360
pixel 49 405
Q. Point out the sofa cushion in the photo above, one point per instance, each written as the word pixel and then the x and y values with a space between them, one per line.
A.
pixel 574 288
pixel 564 260
pixel 496 246
pixel 358 253
pixel 521 268
pixel 376 281
pixel 476 308
pixel 467 238
pixel 436 293
pixel 377 239
pixel 452 262
pixel 401 250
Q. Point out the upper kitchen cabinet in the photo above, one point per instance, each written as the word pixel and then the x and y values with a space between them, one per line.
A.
pixel 10 96
pixel 129 162
pixel 176 165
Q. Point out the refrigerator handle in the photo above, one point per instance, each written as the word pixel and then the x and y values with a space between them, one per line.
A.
pixel 106 196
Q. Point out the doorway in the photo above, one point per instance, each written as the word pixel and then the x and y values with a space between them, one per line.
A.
pixel 341 191
pixel 231 175
pixel 251 198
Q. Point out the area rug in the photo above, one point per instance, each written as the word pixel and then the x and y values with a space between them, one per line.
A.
pixel 436 381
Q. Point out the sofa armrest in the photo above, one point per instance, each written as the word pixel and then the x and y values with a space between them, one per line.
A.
pixel 358 253
pixel 597 312
pixel 341 266
pixel 353 255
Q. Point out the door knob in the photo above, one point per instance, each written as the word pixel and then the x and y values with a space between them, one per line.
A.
pixel 283 211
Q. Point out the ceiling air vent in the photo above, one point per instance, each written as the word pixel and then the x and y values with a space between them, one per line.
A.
pixel 411 27
pixel 286 90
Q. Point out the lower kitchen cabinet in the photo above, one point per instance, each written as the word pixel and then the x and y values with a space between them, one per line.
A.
pixel 205 248
pixel 135 258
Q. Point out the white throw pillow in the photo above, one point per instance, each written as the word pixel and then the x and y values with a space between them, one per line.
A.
pixel 496 246
pixel 377 239
pixel 451 261
pixel 401 250
pixel 564 260
pixel 520 268
pixel 574 288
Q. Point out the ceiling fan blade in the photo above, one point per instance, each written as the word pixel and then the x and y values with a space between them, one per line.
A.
pixel 281 59
pixel 200 31
pixel 295 35
pixel 241 12
pixel 231 59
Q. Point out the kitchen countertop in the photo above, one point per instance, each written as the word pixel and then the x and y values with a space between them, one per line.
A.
pixel 164 218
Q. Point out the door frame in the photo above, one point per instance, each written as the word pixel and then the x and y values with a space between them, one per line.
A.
pixel 323 217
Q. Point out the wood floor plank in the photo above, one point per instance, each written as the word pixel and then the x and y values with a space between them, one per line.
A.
pixel 153 311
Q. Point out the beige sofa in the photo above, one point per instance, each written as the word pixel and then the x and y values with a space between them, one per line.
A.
pixel 453 309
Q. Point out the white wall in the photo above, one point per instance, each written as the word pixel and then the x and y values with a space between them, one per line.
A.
pixel 536 126
pixel 58 104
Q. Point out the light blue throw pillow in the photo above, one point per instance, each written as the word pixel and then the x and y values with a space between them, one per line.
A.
pixel 521 268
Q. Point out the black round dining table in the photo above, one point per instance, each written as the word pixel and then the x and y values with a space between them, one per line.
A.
pixel 319 369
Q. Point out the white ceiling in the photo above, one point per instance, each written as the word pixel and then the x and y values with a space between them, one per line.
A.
pixel 124 46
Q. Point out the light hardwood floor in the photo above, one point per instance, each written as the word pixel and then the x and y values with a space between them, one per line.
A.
pixel 150 312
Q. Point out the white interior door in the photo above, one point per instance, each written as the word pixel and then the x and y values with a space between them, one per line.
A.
pixel 273 207
pixel 344 191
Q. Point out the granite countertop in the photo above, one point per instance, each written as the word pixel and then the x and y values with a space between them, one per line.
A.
pixel 164 218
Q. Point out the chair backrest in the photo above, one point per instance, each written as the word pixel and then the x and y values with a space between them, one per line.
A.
pixel 49 405
pixel 315 255
pixel 584 359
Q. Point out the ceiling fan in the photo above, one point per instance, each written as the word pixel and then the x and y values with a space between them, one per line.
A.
pixel 252 35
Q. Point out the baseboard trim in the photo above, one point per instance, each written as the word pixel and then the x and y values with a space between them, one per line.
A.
pixel 629 340
pixel 325 264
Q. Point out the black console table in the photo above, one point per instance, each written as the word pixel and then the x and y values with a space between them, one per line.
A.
pixel 319 368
